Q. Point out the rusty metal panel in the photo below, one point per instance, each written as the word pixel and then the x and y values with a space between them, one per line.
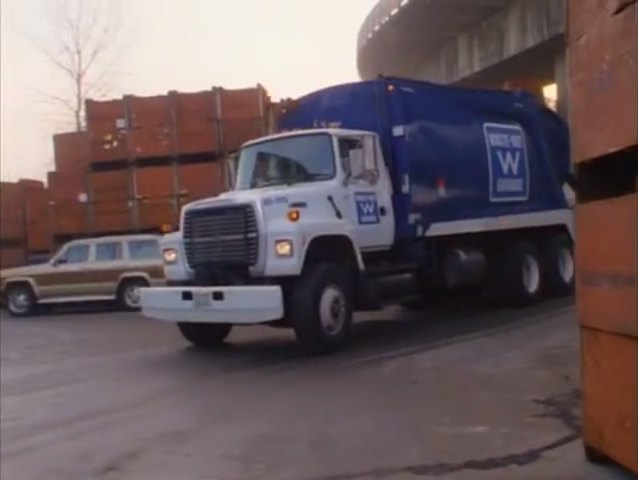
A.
pixel 72 151
pixel 36 211
pixel 12 256
pixel 609 369
pixel 107 123
pixel 151 182
pixel 111 216
pixel 237 132
pixel 110 185
pixel 603 78
pixel 242 104
pixel 66 186
pixel 12 221
pixel 607 264
pixel 153 213
pixel 68 218
pixel 200 180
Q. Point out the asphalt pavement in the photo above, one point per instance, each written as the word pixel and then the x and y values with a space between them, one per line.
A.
pixel 462 392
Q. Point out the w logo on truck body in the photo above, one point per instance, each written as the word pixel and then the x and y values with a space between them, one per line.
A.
pixel 508 162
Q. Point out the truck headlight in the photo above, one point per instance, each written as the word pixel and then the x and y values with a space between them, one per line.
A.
pixel 283 248
pixel 169 255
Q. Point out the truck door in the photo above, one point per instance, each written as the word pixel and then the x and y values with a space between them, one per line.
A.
pixel 368 192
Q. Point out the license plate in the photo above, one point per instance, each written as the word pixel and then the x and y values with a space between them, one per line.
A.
pixel 201 300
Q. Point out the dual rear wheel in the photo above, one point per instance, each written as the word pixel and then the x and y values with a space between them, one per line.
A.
pixel 524 271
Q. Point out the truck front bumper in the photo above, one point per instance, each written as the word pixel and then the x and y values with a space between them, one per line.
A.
pixel 245 305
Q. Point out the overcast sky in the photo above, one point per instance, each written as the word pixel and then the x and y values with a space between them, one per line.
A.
pixel 290 46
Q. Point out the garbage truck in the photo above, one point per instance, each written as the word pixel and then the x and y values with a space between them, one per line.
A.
pixel 454 188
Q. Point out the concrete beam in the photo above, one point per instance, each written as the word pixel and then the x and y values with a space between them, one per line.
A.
pixel 521 27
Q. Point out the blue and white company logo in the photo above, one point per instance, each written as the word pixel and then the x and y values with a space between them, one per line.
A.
pixel 367 208
pixel 508 162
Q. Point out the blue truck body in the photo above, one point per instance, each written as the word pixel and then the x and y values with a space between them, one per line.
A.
pixel 453 153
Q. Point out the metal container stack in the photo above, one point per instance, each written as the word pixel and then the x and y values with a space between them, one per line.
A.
pixel 603 77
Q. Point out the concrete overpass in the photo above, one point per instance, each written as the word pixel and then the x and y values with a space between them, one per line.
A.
pixel 484 43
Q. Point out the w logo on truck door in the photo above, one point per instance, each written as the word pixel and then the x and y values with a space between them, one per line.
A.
pixel 507 161
pixel 367 208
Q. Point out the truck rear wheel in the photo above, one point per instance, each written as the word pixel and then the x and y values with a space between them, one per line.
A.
pixel 321 309
pixel 559 265
pixel 204 335
pixel 520 274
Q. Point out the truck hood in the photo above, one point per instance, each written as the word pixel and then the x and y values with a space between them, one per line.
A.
pixel 283 192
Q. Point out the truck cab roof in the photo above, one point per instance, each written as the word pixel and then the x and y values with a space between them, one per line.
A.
pixel 296 133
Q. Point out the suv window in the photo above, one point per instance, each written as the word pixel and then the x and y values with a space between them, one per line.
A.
pixel 144 249
pixel 108 252
pixel 76 254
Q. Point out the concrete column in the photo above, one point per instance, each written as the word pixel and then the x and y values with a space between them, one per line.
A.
pixel 560 76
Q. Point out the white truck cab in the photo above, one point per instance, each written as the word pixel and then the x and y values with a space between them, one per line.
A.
pixel 285 246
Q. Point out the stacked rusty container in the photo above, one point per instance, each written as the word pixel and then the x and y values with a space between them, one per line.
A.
pixel 603 78
pixel 24 222
pixel 142 158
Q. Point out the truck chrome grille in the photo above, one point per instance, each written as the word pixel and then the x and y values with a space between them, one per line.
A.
pixel 221 236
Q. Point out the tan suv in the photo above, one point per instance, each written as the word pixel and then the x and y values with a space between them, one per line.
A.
pixel 97 269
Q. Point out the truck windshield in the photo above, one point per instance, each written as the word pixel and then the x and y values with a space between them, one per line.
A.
pixel 286 161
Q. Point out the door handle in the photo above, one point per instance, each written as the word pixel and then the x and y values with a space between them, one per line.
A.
pixel 382 211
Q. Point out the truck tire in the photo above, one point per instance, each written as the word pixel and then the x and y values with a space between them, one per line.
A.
pixel 559 266
pixel 520 274
pixel 205 335
pixel 321 309
pixel 20 300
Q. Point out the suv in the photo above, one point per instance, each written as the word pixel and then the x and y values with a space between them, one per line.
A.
pixel 97 269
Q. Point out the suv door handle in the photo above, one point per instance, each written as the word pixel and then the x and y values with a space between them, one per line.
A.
pixel 382 211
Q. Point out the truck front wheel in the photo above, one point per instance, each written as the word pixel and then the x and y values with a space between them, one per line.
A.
pixel 321 309
pixel 204 335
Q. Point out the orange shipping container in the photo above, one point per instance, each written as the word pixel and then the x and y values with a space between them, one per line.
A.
pixel 72 151
pixel 109 186
pixel 12 256
pixel 607 287
pixel 603 78
pixel 609 373
pixel 200 180
pixel 155 181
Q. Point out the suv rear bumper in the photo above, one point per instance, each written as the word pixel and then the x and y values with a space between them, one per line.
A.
pixel 239 305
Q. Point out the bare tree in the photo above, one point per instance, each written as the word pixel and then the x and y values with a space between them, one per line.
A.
pixel 82 48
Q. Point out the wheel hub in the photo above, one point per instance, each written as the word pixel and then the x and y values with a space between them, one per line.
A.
pixel 332 310
pixel 19 302
pixel 133 295
pixel 531 274
pixel 566 265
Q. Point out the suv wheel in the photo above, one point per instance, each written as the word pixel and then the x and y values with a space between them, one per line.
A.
pixel 129 293
pixel 20 300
